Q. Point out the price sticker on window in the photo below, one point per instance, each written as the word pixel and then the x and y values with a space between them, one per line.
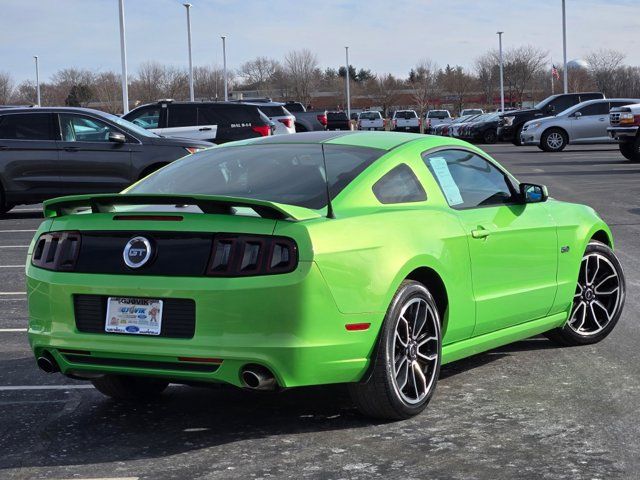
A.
pixel 448 185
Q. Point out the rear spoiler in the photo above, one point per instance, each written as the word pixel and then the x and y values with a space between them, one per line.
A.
pixel 213 204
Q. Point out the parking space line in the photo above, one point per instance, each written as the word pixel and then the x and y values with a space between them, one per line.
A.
pixel 14 246
pixel 11 266
pixel 6 330
pixel 12 388
pixel 18 231
pixel 13 293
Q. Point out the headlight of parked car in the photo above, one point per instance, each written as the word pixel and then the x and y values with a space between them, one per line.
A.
pixel 533 126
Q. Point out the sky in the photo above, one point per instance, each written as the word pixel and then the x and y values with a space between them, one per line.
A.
pixel 383 35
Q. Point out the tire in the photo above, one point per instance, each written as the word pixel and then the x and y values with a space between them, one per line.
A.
pixel 490 137
pixel 4 206
pixel 299 128
pixel 631 150
pixel 391 395
pixel 122 387
pixel 554 140
pixel 594 314
pixel 516 139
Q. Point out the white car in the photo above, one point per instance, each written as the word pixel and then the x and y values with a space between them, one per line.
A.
pixel 405 121
pixel 433 118
pixel 283 119
pixel 371 120
pixel 584 123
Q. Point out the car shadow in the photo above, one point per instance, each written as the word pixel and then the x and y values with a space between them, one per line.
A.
pixel 21 215
pixel 81 427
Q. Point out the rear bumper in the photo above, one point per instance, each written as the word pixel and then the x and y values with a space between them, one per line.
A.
pixel 287 323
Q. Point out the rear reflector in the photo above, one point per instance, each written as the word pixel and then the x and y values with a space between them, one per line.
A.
pixel 353 327
pixel 322 119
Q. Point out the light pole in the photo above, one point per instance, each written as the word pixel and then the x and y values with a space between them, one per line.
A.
pixel 564 46
pixel 346 49
pixel 123 57
pixel 501 72
pixel 35 57
pixel 224 67
pixel 188 7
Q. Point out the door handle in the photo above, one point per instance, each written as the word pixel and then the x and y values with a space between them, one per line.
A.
pixel 205 129
pixel 72 149
pixel 601 119
pixel 480 232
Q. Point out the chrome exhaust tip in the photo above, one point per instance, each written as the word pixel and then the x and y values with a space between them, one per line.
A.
pixel 257 377
pixel 47 364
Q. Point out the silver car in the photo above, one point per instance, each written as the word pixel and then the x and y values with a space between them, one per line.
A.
pixel 585 122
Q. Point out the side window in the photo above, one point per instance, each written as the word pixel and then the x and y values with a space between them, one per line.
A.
pixel 600 108
pixel 27 126
pixel 146 118
pixel 208 116
pixel 76 128
pixel 182 116
pixel 468 180
pixel 562 103
pixel 399 185
pixel 620 104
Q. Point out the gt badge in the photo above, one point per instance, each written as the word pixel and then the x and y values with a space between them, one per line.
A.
pixel 137 252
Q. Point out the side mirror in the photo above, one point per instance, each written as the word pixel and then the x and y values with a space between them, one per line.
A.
pixel 550 109
pixel 532 193
pixel 577 114
pixel 117 137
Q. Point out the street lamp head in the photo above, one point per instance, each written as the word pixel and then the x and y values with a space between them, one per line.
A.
pixel 188 5
pixel 499 33
pixel 223 36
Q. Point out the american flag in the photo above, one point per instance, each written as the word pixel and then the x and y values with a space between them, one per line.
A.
pixel 554 72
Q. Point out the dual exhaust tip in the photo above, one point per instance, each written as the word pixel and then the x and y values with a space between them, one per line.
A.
pixel 257 377
pixel 47 363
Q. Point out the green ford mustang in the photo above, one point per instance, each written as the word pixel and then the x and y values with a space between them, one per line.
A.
pixel 330 257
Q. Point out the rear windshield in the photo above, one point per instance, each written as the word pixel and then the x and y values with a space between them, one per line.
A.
pixel 275 111
pixel 370 116
pixel 295 107
pixel 438 114
pixel 289 174
pixel 406 114
pixel 336 116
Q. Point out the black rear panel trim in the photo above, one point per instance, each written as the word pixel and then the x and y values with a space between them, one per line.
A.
pixel 149 364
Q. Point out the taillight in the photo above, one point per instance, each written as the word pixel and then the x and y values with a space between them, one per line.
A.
pixel 193 149
pixel 57 251
pixel 287 122
pixel 263 130
pixel 245 255
pixel 322 118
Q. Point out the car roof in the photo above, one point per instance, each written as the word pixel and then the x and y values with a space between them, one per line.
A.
pixel 51 110
pixel 379 140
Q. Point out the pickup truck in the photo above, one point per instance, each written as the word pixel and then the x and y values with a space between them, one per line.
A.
pixel 405 121
pixel 511 123
pixel 371 120
pixel 307 120
pixel 433 118
pixel 625 128
pixel 338 121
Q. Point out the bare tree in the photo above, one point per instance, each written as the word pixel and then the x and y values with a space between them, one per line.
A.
pixel 603 64
pixel 259 73
pixel 487 71
pixel 458 84
pixel 424 83
pixel 108 92
pixel 147 85
pixel 520 67
pixel 302 69
pixel 384 90
pixel 208 82
pixel 6 87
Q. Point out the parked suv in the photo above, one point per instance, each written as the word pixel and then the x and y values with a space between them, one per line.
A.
pixel 433 118
pixel 405 120
pixel 625 128
pixel 511 123
pixel 586 122
pixel 338 121
pixel 48 152
pixel 307 120
pixel 217 122
pixel 371 120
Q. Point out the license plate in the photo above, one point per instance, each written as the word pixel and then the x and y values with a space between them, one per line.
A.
pixel 407 128
pixel 136 316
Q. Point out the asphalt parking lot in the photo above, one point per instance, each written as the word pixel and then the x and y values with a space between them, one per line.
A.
pixel 528 410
